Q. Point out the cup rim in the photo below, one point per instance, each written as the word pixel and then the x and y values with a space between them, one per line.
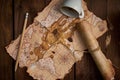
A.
pixel 75 11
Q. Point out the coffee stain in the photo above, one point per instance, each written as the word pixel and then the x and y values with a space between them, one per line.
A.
pixel 51 38
pixel 38 53
pixel 45 45
pixel 51 56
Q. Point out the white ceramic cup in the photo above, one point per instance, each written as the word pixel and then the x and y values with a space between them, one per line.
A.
pixel 72 8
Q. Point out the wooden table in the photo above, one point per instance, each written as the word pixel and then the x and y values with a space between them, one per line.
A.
pixel 12 14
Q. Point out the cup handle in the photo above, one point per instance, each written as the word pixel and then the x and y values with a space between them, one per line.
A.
pixel 81 15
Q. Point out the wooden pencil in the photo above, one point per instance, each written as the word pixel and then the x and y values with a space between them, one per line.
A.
pixel 21 41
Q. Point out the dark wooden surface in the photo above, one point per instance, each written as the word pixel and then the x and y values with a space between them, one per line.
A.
pixel 11 21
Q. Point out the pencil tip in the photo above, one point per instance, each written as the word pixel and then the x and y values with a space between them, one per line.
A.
pixel 27 15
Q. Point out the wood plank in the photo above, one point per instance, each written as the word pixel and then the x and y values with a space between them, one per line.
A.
pixel 99 8
pixel 21 7
pixel 6 35
pixel 113 49
pixel 87 69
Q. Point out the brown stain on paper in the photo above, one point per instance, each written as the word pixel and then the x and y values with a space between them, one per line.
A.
pixel 38 53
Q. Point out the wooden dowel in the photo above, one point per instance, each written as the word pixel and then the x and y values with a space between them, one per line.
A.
pixel 21 41
pixel 103 64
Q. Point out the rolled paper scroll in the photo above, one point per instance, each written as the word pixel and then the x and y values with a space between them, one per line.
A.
pixel 103 64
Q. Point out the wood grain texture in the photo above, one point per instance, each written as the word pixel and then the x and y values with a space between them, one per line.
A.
pixel 84 70
pixel 6 35
pixel 113 50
